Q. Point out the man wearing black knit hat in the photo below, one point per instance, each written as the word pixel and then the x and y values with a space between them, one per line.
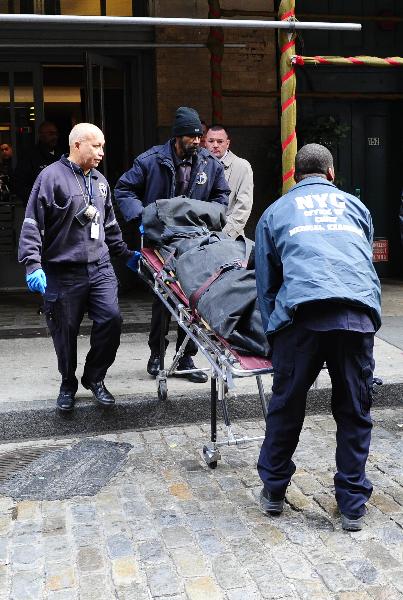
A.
pixel 178 167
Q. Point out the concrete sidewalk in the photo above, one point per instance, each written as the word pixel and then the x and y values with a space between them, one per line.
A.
pixel 29 380
pixel 27 407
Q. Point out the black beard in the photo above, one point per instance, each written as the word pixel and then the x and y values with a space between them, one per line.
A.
pixel 188 150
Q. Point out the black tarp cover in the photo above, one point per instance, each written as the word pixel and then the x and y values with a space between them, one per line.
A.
pixel 189 236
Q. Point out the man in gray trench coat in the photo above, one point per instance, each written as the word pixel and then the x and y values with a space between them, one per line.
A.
pixel 239 176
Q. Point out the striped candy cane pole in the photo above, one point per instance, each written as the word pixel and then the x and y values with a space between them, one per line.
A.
pixel 371 61
pixel 215 44
pixel 288 103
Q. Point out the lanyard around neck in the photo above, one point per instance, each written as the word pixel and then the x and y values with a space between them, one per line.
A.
pixel 88 186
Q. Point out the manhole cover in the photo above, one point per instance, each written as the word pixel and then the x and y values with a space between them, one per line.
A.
pixel 15 460
pixel 60 472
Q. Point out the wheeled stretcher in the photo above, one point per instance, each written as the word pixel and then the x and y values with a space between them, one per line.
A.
pixel 225 363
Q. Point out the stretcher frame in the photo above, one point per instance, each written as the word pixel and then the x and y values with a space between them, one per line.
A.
pixel 226 364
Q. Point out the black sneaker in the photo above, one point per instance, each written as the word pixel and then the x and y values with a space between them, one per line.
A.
pixel 351 523
pixel 153 365
pixel 186 364
pixel 273 504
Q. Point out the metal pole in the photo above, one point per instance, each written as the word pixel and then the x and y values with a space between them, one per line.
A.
pixel 179 22
pixel 94 44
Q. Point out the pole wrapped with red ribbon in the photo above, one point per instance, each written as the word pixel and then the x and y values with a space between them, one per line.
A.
pixel 288 102
pixel 215 44
pixel 360 61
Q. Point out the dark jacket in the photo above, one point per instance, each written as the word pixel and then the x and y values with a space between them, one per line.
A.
pixel 52 234
pixel 152 177
pixel 314 243
pixel 29 167
pixel 401 219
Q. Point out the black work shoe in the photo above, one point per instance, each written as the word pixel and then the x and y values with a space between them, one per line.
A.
pixel 351 524
pixel 186 364
pixel 101 394
pixel 153 365
pixel 65 401
pixel 273 504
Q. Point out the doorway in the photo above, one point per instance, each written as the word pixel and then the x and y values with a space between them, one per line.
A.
pixel 106 106
pixel 21 106
pixel 94 90
pixel 368 164
pixel 21 109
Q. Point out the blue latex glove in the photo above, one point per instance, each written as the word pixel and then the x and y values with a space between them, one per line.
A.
pixel 133 261
pixel 141 229
pixel 36 281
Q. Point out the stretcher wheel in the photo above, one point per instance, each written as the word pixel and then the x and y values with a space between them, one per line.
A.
pixel 211 457
pixel 162 390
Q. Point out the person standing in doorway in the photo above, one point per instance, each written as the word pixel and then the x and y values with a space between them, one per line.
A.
pixel 45 152
pixel 6 155
pixel 6 171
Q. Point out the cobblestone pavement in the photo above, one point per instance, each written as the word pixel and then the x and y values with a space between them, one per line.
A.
pixel 168 527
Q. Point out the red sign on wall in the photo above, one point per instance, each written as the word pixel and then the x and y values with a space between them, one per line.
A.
pixel 380 250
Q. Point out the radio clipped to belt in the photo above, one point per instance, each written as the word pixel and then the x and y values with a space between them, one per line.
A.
pixel 86 214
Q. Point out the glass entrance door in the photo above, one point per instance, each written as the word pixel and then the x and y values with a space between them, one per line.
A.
pixel 106 107
pixel 21 112
pixel 21 106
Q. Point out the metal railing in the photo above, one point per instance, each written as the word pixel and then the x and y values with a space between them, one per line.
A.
pixel 291 25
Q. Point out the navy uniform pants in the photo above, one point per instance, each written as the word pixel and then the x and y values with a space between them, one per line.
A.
pixel 72 290
pixel 298 356
pixel 158 313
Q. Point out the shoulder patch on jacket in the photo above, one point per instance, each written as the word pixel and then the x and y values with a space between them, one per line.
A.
pixel 103 189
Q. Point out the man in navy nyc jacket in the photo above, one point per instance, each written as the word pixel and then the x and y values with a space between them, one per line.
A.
pixel 68 234
pixel 179 167
pixel 319 296
pixel 153 176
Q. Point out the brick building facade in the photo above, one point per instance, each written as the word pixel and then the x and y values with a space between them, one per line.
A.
pixel 183 75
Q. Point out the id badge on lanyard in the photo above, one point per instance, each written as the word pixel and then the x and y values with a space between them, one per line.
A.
pixel 95 227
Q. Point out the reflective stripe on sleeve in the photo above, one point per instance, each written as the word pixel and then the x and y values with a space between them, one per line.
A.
pixel 31 221
pixel 111 223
